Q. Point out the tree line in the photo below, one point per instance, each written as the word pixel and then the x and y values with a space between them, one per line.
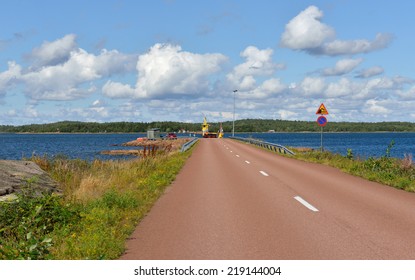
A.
pixel 245 125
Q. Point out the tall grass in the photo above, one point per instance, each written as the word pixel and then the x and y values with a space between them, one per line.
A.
pixel 108 199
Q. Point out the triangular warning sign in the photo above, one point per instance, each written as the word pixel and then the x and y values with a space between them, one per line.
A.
pixel 322 110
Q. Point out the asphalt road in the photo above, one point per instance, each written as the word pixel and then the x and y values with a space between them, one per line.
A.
pixel 235 201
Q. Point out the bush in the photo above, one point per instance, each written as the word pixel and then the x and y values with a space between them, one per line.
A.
pixel 26 225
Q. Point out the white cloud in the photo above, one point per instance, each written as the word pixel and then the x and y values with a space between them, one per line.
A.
pixel 373 106
pixel 406 95
pixel 9 77
pixel 258 63
pixel 342 67
pixel 117 90
pixel 31 112
pixel 339 47
pixel 370 72
pixel 166 70
pixel 112 62
pixel 306 32
pixel 311 86
pixel 98 103
pixel 272 86
pixel 246 83
pixel 69 73
pixel 247 105
pixel 53 53
pixel 287 115
pixel 342 87
pixel 265 90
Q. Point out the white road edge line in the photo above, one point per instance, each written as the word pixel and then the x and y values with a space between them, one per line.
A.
pixel 306 204
pixel 247 162
pixel 263 173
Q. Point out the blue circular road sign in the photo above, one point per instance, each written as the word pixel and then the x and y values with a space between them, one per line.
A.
pixel 322 121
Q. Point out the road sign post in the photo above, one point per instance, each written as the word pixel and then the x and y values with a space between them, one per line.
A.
pixel 322 121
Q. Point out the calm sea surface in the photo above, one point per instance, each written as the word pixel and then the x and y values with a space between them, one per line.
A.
pixel 89 146
pixel 362 144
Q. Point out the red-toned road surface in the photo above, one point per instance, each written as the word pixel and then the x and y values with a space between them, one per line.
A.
pixel 235 201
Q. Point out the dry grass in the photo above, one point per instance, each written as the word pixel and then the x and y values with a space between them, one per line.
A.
pixel 113 196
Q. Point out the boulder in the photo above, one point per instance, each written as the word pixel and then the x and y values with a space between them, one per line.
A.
pixel 19 175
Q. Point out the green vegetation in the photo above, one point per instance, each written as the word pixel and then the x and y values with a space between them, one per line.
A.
pixel 398 173
pixel 27 225
pixel 102 203
pixel 248 125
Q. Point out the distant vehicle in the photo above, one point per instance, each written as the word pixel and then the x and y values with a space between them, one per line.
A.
pixel 171 136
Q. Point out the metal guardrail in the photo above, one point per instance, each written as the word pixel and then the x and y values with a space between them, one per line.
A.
pixel 270 146
pixel 188 144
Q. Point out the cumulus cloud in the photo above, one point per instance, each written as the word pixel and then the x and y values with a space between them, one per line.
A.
pixel 9 77
pixel 406 95
pixel 53 53
pixel 62 71
pixel 340 88
pixel 166 70
pixel 117 90
pixel 258 63
pixel 65 81
pixel 373 106
pixel 370 72
pixel 265 90
pixel 342 67
pixel 311 86
pixel 306 32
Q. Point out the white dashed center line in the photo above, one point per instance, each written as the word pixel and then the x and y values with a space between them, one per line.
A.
pixel 237 155
pixel 264 173
pixel 306 204
pixel 247 162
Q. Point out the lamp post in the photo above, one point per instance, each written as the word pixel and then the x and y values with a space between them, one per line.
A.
pixel 233 123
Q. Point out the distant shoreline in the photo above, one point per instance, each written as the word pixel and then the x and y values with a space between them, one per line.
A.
pixel 226 133
pixel 241 126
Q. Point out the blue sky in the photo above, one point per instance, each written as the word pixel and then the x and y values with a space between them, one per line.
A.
pixel 178 60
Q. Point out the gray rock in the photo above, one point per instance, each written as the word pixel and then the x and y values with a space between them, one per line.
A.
pixel 18 175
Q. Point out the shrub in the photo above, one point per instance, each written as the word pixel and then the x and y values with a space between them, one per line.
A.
pixel 26 225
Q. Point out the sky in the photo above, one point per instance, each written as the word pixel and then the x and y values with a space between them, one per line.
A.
pixel 180 60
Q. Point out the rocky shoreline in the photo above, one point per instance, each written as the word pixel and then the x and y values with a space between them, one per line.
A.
pixel 148 147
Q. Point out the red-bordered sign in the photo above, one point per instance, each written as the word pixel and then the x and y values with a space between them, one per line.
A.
pixel 322 110
pixel 322 121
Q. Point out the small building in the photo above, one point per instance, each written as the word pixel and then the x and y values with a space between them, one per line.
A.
pixel 153 134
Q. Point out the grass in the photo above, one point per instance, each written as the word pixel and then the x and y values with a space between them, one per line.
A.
pixel 101 205
pixel 397 173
